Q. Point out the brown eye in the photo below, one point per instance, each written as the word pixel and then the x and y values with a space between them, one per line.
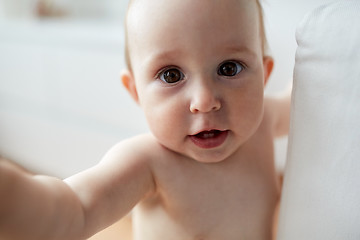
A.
pixel 171 75
pixel 230 69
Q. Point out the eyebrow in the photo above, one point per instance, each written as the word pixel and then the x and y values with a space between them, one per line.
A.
pixel 163 55
pixel 170 55
pixel 240 49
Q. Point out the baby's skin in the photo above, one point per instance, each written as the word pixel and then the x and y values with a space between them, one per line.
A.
pixel 206 170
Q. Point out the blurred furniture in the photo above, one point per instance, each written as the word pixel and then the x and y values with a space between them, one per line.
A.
pixel 321 197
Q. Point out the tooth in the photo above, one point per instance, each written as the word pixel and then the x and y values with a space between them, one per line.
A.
pixel 209 135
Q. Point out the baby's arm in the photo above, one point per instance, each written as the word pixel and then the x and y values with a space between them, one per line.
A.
pixel 122 179
pixel 41 207
pixel 36 207
pixel 278 108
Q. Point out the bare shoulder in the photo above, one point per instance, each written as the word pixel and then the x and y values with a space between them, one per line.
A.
pixel 134 156
pixel 141 148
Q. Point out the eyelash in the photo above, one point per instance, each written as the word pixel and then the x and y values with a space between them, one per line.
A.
pixel 160 74
pixel 239 65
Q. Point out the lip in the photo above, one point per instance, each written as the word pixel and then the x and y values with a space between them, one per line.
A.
pixel 210 138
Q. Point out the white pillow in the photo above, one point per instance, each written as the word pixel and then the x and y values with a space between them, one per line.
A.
pixel 321 193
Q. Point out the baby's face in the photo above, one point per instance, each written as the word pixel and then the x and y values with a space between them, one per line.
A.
pixel 198 70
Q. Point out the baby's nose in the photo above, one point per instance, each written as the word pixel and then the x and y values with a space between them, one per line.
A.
pixel 205 98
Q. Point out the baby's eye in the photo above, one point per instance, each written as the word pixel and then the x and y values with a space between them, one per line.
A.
pixel 230 68
pixel 172 75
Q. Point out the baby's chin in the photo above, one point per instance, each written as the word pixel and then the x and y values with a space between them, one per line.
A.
pixel 211 156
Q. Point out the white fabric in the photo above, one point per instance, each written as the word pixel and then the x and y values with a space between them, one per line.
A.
pixel 321 194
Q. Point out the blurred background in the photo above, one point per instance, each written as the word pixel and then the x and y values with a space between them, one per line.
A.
pixel 62 105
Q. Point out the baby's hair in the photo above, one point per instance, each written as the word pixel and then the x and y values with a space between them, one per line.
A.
pixel 262 33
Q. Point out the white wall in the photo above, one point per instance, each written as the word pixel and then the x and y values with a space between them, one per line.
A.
pixel 105 9
pixel 61 102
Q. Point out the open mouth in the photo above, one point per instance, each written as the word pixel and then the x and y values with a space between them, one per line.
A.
pixel 209 139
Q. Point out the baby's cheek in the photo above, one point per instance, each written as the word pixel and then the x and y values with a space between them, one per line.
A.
pixel 161 120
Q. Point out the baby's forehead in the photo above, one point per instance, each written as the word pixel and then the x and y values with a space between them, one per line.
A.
pixel 188 5
pixel 143 12
pixel 148 17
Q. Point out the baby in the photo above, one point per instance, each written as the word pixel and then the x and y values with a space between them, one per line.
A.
pixel 206 170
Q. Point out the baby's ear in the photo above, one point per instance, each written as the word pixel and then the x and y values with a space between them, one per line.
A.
pixel 268 63
pixel 127 79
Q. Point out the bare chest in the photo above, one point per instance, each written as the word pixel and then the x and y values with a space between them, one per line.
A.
pixel 228 201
